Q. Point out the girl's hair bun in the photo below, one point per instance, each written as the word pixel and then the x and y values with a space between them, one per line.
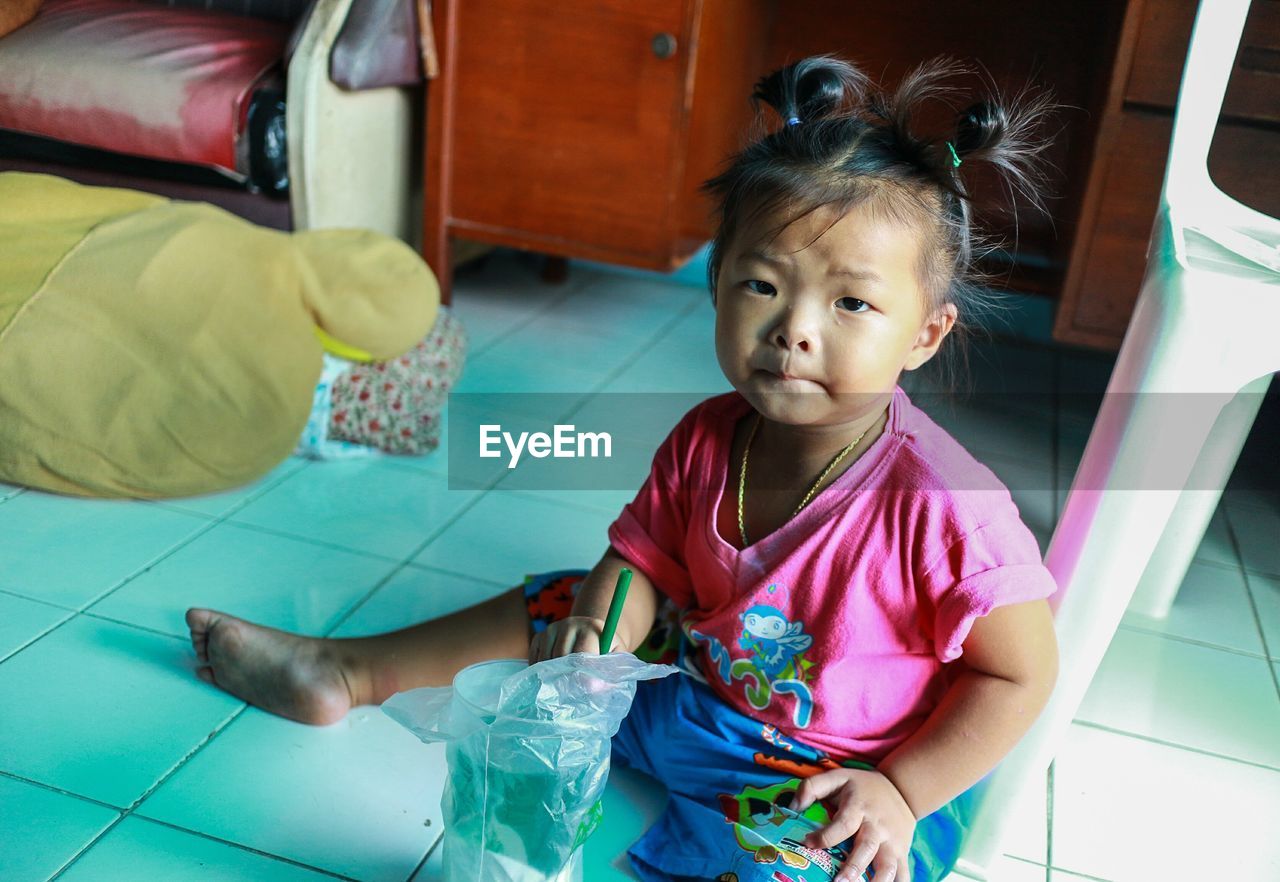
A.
pixel 811 89
pixel 980 127
pixel 1007 134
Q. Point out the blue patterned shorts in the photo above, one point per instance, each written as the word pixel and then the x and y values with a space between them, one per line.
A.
pixel 731 780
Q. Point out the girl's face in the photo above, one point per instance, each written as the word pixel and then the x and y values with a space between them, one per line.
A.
pixel 814 328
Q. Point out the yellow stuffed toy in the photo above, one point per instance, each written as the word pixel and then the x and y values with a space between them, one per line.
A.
pixel 151 348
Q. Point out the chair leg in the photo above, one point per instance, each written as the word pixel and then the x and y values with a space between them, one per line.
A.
pixel 1102 543
pixel 1168 392
pixel 1142 450
pixel 1190 518
pixel 1123 495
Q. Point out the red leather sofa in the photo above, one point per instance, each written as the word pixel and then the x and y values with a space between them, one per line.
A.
pixel 294 113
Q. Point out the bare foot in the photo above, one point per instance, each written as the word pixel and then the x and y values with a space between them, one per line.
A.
pixel 296 677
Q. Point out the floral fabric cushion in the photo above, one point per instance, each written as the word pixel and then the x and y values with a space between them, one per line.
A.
pixel 395 405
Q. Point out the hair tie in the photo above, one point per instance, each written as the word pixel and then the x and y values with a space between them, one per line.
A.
pixel 793 121
pixel 955 157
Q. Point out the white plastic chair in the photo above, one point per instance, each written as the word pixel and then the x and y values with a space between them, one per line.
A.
pixel 1197 356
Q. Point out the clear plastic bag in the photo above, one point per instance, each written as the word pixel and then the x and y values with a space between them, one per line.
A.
pixel 528 754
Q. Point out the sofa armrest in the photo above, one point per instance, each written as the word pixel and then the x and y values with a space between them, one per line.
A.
pixel 351 154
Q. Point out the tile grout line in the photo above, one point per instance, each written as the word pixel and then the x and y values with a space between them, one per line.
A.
pixel 1050 784
pixel 1245 571
pixel 570 289
pixel 309 540
pixel 1025 862
pixel 182 761
pixel 585 397
pixel 212 522
pixel 244 502
pixel 71 861
pixel 1231 531
pixel 640 351
pixel 1266 574
pixel 434 569
pixel 22 779
pixel 125 812
pixel 1253 601
pixel 20 596
pixel 1192 641
pixel 460 574
pixel 364 598
pixel 248 848
pixel 1266 648
pixel 426 857
pixel 393 461
pixel 131 809
pixel 580 283
pixel 1077 874
pixel 475 353
pixel 656 337
pixel 407 561
pixel 236 845
pixel 1221 565
pixel 128 810
pixel 1111 730
pixel 71 614
pixel 146 629
pixel 153 562
pixel 18 491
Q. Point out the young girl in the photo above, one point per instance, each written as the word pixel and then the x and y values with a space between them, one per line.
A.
pixel 859 608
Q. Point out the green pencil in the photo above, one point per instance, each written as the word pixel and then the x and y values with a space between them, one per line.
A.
pixel 615 609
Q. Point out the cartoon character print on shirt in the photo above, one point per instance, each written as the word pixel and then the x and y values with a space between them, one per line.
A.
pixel 767 829
pixel 777 646
pixel 775 663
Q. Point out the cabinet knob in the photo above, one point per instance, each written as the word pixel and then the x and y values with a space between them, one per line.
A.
pixel 664 45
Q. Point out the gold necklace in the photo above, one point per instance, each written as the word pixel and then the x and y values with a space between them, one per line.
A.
pixel 742 476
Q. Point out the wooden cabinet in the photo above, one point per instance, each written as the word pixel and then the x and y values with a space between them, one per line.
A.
pixel 1108 255
pixel 582 128
pixel 557 128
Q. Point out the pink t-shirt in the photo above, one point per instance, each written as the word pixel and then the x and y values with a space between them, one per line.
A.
pixel 839 627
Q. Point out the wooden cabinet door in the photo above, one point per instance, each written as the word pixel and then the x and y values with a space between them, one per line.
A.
pixel 1106 271
pixel 566 130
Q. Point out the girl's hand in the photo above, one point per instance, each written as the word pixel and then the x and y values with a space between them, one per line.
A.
pixel 868 807
pixel 570 634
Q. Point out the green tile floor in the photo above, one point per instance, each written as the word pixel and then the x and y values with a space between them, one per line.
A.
pixel 116 763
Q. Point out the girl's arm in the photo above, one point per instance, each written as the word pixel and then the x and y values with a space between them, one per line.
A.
pixel 581 631
pixel 1011 662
